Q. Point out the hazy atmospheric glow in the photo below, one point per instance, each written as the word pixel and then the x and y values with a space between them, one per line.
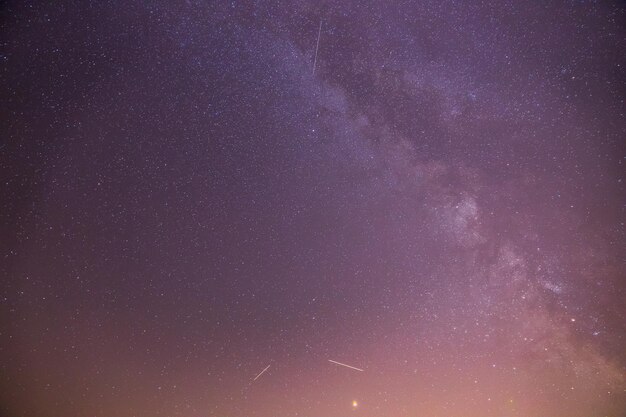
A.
pixel 312 208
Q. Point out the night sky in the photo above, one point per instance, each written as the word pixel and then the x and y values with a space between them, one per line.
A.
pixel 439 202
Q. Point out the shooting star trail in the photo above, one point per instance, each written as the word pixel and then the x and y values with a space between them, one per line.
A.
pixel 262 372
pixel 347 366
pixel 317 47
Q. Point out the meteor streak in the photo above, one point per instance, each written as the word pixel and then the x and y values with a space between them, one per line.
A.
pixel 347 366
pixel 319 33
pixel 262 372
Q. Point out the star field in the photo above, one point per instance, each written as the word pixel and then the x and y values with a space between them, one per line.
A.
pixel 194 222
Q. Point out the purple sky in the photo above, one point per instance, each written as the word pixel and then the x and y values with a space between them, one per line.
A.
pixel 184 202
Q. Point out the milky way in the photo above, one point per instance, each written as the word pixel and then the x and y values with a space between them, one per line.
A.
pixel 195 221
